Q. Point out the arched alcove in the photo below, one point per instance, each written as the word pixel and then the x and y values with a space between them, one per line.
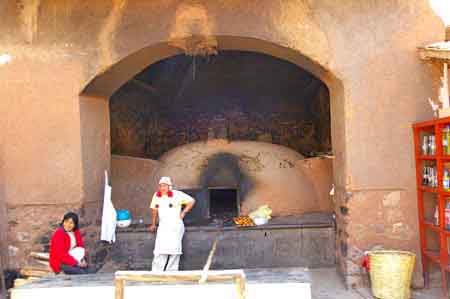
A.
pixel 135 72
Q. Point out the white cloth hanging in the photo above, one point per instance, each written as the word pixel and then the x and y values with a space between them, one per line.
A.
pixel 109 216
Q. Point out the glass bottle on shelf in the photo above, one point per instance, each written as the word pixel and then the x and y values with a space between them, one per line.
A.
pixel 434 176
pixel 445 136
pixel 446 180
pixel 436 216
pixel 425 145
pixel 448 140
pixel 432 146
pixel 425 176
pixel 447 215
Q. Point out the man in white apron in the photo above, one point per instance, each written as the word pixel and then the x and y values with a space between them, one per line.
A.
pixel 167 207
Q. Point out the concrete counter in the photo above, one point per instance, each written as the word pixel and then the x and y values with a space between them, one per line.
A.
pixel 284 242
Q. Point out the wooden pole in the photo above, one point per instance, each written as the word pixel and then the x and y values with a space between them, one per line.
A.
pixel 240 284
pixel 120 288
pixel 208 263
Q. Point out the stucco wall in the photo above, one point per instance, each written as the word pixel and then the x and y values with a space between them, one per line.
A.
pixel 132 184
pixel 365 52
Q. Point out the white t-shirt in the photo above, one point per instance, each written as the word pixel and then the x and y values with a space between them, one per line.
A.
pixel 169 208
pixel 73 241
pixel 171 228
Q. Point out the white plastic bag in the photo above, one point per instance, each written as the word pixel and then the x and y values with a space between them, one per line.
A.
pixel 261 215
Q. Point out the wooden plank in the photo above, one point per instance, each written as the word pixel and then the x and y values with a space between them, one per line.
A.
pixel 40 255
pixel 120 288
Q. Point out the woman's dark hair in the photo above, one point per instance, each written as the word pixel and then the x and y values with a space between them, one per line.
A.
pixel 74 217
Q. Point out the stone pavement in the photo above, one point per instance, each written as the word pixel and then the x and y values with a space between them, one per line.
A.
pixel 326 284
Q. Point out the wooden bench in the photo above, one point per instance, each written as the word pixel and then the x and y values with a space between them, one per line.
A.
pixel 236 276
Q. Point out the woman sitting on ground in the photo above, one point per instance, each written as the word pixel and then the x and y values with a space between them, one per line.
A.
pixel 67 251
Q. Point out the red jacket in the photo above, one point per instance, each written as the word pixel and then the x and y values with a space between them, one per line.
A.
pixel 59 249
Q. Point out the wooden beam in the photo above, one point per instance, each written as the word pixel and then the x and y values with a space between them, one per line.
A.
pixel 185 276
pixel 434 54
pixel 120 288
pixel 237 276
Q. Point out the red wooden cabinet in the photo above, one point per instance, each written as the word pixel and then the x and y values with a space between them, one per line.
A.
pixel 433 191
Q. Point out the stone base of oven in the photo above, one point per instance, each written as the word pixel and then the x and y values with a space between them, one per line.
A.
pixel 288 244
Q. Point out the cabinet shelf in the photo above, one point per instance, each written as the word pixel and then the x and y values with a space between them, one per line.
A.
pixel 439 256
pixel 430 158
pixel 431 226
pixel 433 256
pixel 428 189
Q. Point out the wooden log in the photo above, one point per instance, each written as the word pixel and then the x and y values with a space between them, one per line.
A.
pixel 41 262
pixel 120 288
pixel 36 272
pixel 41 269
pixel 40 255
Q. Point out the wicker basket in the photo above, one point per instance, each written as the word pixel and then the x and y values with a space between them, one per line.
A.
pixel 391 273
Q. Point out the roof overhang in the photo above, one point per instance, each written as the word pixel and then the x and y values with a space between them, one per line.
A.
pixel 436 51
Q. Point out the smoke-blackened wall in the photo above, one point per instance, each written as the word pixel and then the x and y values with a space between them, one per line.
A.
pixel 235 95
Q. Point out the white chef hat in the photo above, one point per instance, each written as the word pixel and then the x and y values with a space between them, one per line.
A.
pixel 165 180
